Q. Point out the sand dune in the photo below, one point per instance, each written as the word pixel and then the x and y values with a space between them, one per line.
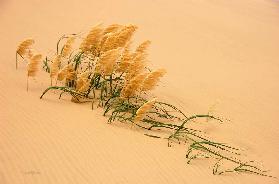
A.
pixel 216 52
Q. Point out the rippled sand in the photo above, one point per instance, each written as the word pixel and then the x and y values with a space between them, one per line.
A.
pixel 217 53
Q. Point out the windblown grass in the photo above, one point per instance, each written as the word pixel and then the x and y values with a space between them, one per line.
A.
pixel 106 72
pixel 24 48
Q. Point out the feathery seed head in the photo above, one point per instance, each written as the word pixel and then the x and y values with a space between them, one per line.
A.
pixel 62 73
pixel 143 46
pixel 85 86
pixel 135 67
pixel 125 35
pixel 132 86
pixel 125 59
pixel 144 109
pixel 138 60
pixel 30 53
pixel 24 46
pixel 71 73
pixel 108 60
pixel 33 65
pixel 119 38
pixel 82 78
pixel 67 72
pixel 67 49
pixel 152 79
pixel 54 67
pixel 109 42
pixel 85 74
pixel 92 39
pixel 141 51
pixel 112 28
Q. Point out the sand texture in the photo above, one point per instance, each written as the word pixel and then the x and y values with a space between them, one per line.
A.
pixel 221 53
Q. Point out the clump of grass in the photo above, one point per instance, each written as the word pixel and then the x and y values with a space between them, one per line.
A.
pixel 105 70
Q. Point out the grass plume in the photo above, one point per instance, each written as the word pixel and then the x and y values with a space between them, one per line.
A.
pixel 54 69
pixel 33 66
pixel 144 109
pixel 24 48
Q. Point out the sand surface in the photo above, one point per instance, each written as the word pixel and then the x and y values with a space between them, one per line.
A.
pixel 217 52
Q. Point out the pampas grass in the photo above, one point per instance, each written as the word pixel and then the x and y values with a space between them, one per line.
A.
pixel 119 38
pixel 125 59
pixel 105 70
pixel 132 86
pixel 54 68
pixel 33 66
pixel 107 61
pixel 138 61
pixel 92 39
pixel 142 49
pixel 68 47
pixel 24 48
pixel 82 82
pixel 62 73
pixel 112 28
pixel 152 79
pixel 144 109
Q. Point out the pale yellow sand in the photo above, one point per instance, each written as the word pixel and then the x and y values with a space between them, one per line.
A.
pixel 216 52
